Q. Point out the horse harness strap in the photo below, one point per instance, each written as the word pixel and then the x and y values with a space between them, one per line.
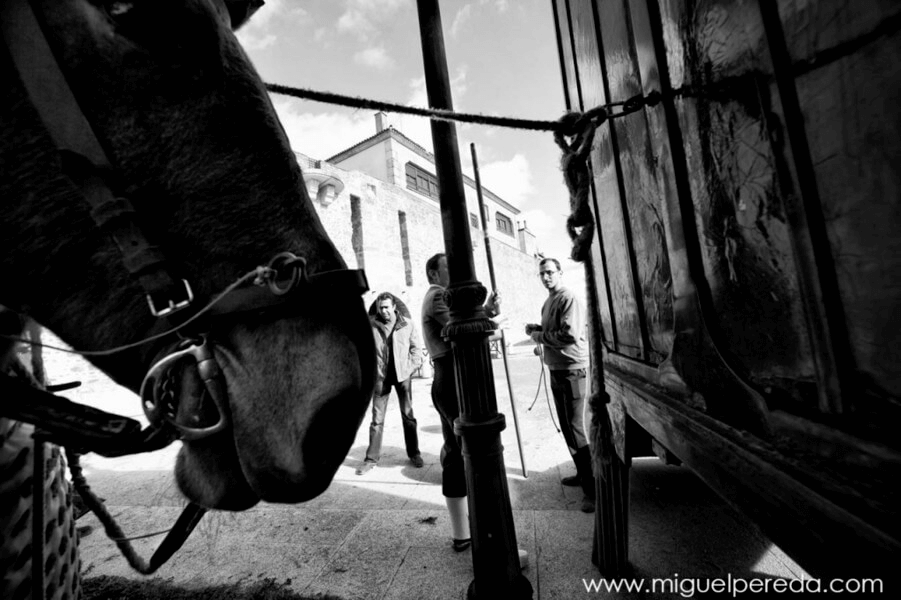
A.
pixel 83 159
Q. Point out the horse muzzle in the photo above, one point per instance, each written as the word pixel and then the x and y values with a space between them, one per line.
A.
pixel 198 413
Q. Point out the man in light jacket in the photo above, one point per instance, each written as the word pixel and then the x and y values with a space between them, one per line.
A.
pixel 398 354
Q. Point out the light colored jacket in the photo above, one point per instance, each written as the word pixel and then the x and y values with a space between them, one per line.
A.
pixel 405 345
pixel 563 332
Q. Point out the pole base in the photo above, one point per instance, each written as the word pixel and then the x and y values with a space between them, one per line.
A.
pixel 520 589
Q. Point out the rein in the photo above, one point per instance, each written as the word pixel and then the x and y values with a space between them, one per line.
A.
pixel 282 284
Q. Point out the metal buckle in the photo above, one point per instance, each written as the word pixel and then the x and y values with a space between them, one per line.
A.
pixel 173 306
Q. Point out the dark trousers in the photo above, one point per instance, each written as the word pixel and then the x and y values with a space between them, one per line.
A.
pixel 444 397
pixel 377 427
pixel 569 390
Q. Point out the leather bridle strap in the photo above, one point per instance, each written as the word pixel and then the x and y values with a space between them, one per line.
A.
pixel 78 426
pixel 83 159
pixel 257 298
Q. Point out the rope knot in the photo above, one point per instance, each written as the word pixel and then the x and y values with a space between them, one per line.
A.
pixel 577 175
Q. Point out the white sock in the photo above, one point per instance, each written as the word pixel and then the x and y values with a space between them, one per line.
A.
pixel 459 517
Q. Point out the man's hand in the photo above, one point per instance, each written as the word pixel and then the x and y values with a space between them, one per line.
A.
pixel 532 328
pixel 493 304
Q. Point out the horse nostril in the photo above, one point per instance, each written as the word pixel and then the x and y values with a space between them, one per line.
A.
pixel 332 431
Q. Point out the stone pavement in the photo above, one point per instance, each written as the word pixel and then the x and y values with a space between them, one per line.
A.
pixel 385 535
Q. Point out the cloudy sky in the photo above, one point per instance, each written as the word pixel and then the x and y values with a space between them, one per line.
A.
pixel 502 60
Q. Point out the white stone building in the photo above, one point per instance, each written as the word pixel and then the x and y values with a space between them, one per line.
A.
pixel 378 200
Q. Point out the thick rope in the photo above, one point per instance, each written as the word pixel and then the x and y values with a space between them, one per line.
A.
pixel 183 527
pixel 578 127
pixel 577 175
pixel 566 125
pixel 113 531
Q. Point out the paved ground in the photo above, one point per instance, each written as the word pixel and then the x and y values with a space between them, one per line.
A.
pixel 385 535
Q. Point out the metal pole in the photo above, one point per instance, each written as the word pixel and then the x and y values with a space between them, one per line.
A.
pixel 482 212
pixel 495 559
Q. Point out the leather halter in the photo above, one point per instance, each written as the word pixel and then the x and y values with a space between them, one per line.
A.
pixel 84 161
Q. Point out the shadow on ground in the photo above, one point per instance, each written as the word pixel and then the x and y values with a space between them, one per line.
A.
pixel 356 541
pixel 120 588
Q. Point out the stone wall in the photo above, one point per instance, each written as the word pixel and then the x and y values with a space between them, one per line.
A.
pixel 383 258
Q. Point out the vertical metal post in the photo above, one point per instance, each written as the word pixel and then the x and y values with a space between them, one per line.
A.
pixel 494 551
pixel 484 214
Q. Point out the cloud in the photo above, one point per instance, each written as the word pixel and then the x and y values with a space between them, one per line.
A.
pixel 463 15
pixel 419 129
pixel 375 57
pixel 361 17
pixel 258 32
pixel 419 96
pixel 509 179
pixel 256 42
pixel 321 135
pixel 320 35
pixel 500 5
pixel 550 232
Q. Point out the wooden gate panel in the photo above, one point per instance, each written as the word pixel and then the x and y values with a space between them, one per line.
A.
pixel 753 302
pixel 778 187
pixel 591 72
pixel 636 161
pixel 848 79
pixel 567 63
pixel 611 220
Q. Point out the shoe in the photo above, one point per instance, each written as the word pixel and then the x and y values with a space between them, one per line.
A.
pixel 571 481
pixel 461 545
pixel 365 467
pixel 587 505
pixel 417 461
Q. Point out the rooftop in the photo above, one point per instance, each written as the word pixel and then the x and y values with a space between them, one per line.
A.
pixel 390 133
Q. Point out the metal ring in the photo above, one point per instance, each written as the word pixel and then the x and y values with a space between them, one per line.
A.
pixel 280 261
pixel 198 349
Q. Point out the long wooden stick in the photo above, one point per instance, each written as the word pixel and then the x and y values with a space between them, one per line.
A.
pixel 475 168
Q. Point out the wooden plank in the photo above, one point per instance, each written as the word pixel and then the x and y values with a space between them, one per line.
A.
pixel 758 481
pixel 570 78
pixel 749 293
pixel 612 221
pixel 588 69
pixel 848 81
pixel 639 160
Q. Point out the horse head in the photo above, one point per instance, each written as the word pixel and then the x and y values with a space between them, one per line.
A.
pixel 198 150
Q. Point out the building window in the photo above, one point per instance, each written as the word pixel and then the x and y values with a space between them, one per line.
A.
pixel 421 181
pixel 503 223
pixel 473 220
pixel 405 247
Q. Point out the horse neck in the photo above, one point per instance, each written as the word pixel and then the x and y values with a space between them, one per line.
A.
pixel 49 248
